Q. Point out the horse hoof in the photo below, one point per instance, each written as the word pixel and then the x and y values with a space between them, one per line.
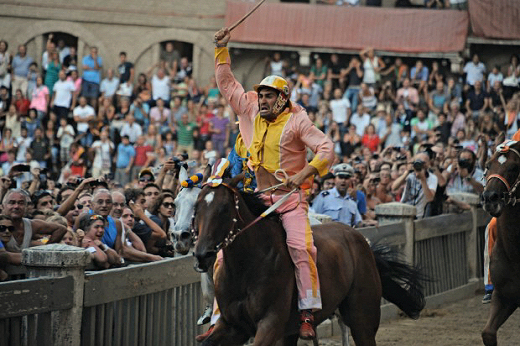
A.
pixel 489 339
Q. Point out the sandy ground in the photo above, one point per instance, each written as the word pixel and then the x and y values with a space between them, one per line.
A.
pixel 457 324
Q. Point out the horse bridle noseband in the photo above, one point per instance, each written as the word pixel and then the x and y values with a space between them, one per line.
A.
pixel 509 197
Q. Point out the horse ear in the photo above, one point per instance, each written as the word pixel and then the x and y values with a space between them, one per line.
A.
pixel 183 174
pixel 206 174
pixel 500 139
pixel 236 179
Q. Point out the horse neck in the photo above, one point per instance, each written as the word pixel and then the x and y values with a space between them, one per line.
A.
pixel 254 245
pixel 508 231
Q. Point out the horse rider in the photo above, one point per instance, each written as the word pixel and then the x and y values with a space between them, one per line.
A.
pixel 276 133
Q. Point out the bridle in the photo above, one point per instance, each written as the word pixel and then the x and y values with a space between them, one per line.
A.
pixel 509 197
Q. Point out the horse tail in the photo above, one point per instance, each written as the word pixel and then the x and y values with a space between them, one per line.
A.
pixel 402 283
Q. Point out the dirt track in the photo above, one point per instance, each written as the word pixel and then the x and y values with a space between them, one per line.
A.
pixel 457 324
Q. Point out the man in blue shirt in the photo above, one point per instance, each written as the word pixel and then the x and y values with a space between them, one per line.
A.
pixel 92 66
pixel 337 202
pixel 124 161
pixel 20 66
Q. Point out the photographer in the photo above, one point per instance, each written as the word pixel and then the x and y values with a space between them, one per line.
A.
pixel 420 185
pixel 464 175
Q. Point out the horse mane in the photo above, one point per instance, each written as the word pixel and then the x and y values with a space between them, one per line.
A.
pixel 255 204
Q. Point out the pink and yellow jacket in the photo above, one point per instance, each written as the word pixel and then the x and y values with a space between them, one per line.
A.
pixel 279 144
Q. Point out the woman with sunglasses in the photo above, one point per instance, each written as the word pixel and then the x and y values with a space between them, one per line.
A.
pixel 163 210
pixel 94 227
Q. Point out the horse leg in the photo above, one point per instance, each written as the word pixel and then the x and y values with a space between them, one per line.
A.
pixel 344 332
pixel 268 332
pixel 225 335
pixel 361 312
pixel 499 312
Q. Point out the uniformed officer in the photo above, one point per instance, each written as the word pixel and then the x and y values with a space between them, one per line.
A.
pixel 337 202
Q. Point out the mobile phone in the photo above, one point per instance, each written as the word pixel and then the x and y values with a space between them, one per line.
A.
pixel 22 168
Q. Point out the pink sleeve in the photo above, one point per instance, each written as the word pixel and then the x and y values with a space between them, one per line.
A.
pixel 318 142
pixel 243 103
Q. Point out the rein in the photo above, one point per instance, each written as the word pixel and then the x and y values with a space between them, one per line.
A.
pixel 509 197
pixel 235 231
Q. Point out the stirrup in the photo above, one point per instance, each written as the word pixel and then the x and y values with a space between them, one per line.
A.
pixel 202 337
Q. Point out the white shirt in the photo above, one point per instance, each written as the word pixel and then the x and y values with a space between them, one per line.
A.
pixel 103 157
pixel 474 72
pixel 361 121
pixel 109 86
pixel 63 91
pixel 132 131
pixel 23 144
pixel 160 88
pixel 339 110
pixel 66 136
pixel 83 112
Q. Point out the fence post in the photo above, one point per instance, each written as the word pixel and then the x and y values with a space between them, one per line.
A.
pixel 472 236
pixel 396 212
pixel 58 260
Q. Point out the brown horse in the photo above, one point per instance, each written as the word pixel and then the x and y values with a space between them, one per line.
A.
pixel 256 289
pixel 500 199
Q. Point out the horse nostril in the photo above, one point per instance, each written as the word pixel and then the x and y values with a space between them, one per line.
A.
pixel 185 236
pixel 490 196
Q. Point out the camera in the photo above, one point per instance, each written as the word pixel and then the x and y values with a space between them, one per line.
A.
pixel 397 149
pixel 418 165
pixel 464 163
pixel 400 157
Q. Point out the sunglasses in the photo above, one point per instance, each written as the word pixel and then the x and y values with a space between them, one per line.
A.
pixel 4 228
pixel 79 206
pixel 145 179
pixel 97 217
pixel 168 205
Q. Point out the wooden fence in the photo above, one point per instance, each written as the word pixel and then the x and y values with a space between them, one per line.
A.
pixel 158 303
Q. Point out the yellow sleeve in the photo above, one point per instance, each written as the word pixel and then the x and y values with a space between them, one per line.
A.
pixel 222 56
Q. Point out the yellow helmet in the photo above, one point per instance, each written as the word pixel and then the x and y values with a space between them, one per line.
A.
pixel 279 84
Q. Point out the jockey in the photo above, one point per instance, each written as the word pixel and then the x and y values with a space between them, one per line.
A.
pixel 276 134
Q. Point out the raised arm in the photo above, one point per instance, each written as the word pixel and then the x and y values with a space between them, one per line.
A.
pixel 242 103
pixel 55 230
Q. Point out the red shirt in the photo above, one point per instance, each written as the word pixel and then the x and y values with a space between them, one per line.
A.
pixel 203 122
pixel 140 154
pixel 371 142
pixel 22 106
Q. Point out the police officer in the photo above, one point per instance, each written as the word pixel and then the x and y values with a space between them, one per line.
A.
pixel 337 202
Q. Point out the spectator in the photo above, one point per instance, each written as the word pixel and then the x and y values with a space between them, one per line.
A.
pixel 219 128
pixel 319 72
pixel 143 88
pixel 126 70
pixel 337 202
pixel 478 101
pixel 141 110
pixel 340 108
pixel 185 130
pixel 63 98
pixel 141 156
pixel 94 227
pixel 494 76
pixel 92 67
pixel 5 61
pixel 170 58
pixel 419 76
pixel 20 66
pixel 131 129
pixel 108 86
pixel 66 137
pixel 420 185
pixel 13 121
pixel 464 175
pixel 40 148
pixel 367 97
pixel 160 117
pixel 32 75
pixel 23 143
pixel 421 126
pixel 103 150
pixel 372 66
pixel 160 85
pixel 474 70
pixel 52 71
pixel 360 120
pixel 21 103
pixel 354 73
pixel 370 138
pixel 71 60
pixel 73 76
pixel 408 96
pixel 397 72
pixel 437 102
pixel 83 114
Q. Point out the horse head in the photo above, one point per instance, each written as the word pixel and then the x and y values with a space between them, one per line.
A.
pixel 184 209
pixel 216 214
pixel 502 178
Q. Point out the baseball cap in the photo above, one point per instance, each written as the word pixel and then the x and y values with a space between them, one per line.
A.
pixel 343 169
pixel 146 171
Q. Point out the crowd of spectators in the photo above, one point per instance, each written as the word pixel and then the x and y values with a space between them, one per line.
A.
pixel 86 150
